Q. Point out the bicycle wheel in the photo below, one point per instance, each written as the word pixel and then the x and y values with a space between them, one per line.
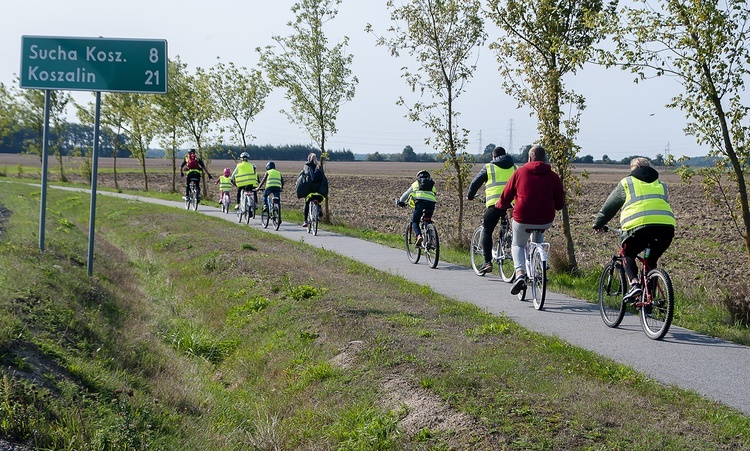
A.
pixel 276 216
pixel 476 252
pixel 248 209
pixel 265 216
pixel 656 317
pixel 412 251
pixel 539 280
pixel 612 288
pixel 432 245
pixel 315 218
pixel 504 257
pixel 193 197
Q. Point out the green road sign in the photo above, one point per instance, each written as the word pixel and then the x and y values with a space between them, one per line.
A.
pixel 94 64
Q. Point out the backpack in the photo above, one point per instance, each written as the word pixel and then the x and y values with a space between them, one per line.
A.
pixel 425 183
pixel 304 184
pixel 193 163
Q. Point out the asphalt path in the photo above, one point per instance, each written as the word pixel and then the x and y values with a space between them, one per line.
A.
pixel 715 369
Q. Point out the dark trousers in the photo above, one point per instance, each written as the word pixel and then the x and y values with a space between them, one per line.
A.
pixel 421 206
pixel 275 191
pixel 492 216
pixel 656 237
pixel 190 177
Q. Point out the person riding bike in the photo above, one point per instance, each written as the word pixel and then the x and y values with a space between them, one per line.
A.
pixel 646 218
pixel 195 168
pixel 494 175
pixel 274 182
pixel 312 184
pixel 225 183
pixel 422 196
pixel 245 176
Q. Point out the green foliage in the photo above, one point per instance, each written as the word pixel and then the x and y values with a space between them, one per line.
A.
pixel 302 292
pixel 443 38
pixel 316 79
pixel 364 428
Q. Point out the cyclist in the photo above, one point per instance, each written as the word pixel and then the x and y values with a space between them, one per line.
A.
pixel 245 176
pixel 494 175
pixel 312 184
pixel 274 182
pixel 195 168
pixel 537 193
pixel 422 196
pixel 225 183
pixel 646 218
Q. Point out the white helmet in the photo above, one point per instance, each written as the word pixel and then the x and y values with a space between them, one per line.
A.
pixel 244 156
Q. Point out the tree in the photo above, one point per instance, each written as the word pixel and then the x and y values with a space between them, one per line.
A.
pixel 705 46
pixel 544 41
pixel 138 122
pixel 408 154
pixel 239 95
pixel 8 112
pixel 171 131
pixel 442 36
pixel 317 80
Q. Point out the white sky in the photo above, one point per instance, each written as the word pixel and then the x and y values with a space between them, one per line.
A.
pixel 621 118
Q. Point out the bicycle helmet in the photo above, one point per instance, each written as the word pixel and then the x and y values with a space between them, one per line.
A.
pixel 270 165
pixel 227 172
pixel 191 151
pixel 423 174
pixel 244 156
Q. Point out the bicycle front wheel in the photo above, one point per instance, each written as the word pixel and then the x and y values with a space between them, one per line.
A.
pixel 612 288
pixel 504 257
pixel 476 251
pixel 539 279
pixel 432 245
pixel 412 251
pixel 656 316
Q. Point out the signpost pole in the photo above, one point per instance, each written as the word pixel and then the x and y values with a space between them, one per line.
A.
pixel 45 152
pixel 94 177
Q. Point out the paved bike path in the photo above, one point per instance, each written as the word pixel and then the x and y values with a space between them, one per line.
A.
pixel 716 369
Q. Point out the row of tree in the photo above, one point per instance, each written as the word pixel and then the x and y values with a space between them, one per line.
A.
pixel 704 45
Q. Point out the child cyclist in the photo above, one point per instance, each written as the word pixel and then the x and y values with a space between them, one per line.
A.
pixel 225 185
pixel 421 196
pixel 274 182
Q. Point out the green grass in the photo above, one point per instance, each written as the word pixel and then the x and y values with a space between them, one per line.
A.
pixel 184 339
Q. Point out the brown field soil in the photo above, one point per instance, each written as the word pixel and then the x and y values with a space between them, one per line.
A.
pixel 362 195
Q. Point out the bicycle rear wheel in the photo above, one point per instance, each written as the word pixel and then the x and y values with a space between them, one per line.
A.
pixel 276 216
pixel 656 317
pixel 539 281
pixel 612 288
pixel 265 216
pixel 412 251
pixel 504 257
pixel 476 251
pixel 432 245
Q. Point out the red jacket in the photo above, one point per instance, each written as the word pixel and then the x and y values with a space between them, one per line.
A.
pixel 537 192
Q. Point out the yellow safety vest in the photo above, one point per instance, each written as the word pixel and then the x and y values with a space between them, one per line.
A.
pixel 645 203
pixel 497 178
pixel 273 178
pixel 225 183
pixel 418 194
pixel 245 174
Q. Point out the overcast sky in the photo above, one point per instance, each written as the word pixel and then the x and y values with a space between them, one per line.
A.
pixel 621 118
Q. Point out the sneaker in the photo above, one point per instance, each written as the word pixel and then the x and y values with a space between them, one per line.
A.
pixel 237 207
pixel 633 293
pixel 184 197
pixel 419 241
pixel 485 268
pixel 519 285
pixel 305 224
pixel 265 208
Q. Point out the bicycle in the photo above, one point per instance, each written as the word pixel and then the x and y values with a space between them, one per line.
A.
pixel 314 213
pixel 430 242
pixel 655 305
pixel 247 206
pixel 225 202
pixel 536 269
pixel 191 200
pixel 272 212
pixel 502 240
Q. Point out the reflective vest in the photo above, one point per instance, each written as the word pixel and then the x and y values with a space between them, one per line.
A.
pixel 497 178
pixel 418 194
pixel 225 183
pixel 273 178
pixel 645 203
pixel 245 174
